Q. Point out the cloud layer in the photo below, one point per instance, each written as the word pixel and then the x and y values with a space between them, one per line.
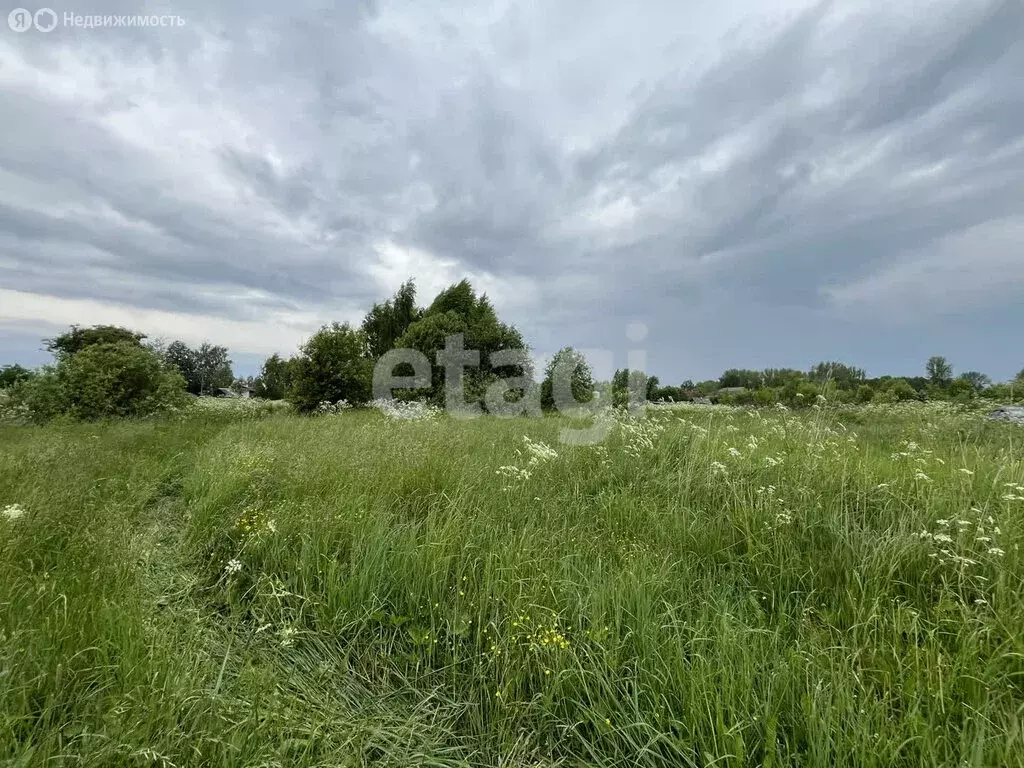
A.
pixel 760 184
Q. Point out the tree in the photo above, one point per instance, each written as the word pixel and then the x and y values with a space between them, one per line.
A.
pixel 12 374
pixel 183 359
pixel 333 366
pixel 213 368
pixel 780 377
pixel 650 387
pixel 205 369
pixel 939 371
pixel 74 341
pixel 1019 378
pixel 740 377
pixel 845 376
pixel 275 378
pixel 976 379
pixel 385 323
pixel 458 310
pixel 567 364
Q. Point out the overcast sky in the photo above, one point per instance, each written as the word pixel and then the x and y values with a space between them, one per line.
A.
pixel 758 182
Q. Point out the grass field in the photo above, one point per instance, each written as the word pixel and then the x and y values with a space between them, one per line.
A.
pixel 708 587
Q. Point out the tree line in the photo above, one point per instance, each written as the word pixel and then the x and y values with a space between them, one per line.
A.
pixel 106 371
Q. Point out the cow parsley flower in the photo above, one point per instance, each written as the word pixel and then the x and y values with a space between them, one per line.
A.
pixel 234 566
pixel 13 512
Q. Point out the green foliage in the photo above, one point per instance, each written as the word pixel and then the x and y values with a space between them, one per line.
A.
pixel 669 394
pixel 780 377
pixel 275 379
pixel 961 389
pixel 897 391
pixel 385 323
pixel 121 379
pixel 12 374
pixel 333 365
pixel 101 380
pixel 38 399
pixel 976 379
pixel 845 376
pixel 741 377
pixel 205 369
pixel 939 371
pixel 458 310
pixel 630 386
pixel 75 340
pixel 569 364
pixel 651 387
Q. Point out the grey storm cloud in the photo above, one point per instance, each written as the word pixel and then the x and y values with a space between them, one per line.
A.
pixel 758 183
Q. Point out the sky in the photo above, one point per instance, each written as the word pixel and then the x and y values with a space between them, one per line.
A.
pixel 746 183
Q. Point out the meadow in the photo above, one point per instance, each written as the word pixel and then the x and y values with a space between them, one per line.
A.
pixel 707 587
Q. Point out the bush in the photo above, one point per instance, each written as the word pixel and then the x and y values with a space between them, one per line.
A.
pixel 333 366
pixel 117 379
pixel 101 380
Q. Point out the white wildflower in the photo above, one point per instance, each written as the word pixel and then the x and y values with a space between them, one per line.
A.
pixel 13 512
pixel 734 452
pixel 287 635
pixel 718 468
pixel 996 551
pixel 234 566
pixel 919 475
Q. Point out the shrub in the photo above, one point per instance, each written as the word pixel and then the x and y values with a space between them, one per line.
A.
pixel 119 379
pixel 333 366
pixel 101 380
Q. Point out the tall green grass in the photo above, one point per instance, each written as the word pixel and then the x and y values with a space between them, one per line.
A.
pixel 351 590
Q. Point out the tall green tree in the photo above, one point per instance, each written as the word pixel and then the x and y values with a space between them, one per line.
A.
pixel 458 310
pixel 333 365
pixel 205 369
pixel 567 365
pixel 75 340
pixel 939 371
pixel 385 323
pixel 844 376
pixel 976 379
pixel 275 379
pixel 741 377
